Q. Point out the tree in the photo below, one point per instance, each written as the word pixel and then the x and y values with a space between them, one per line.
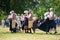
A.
pixel 38 6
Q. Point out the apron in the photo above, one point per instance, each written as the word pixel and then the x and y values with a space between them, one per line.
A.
pixel 30 22
pixel 19 24
pixel 13 23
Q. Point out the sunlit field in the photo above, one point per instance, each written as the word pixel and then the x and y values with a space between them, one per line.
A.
pixel 5 34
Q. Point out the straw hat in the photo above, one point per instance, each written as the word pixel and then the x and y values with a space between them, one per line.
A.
pixel 51 8
pixel 25 11
pixel 11 11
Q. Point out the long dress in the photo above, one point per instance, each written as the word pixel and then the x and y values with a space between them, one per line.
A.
pixel 30 21
pixel 44 26
pixel 18 22
pixel 14 25
pixel 25 23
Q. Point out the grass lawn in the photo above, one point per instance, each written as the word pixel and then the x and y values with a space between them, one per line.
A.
pixel 5 34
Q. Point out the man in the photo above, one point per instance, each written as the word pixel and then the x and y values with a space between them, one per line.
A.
pixel 52 22
pixel 10 19
pixel 46 15
pixel 47 21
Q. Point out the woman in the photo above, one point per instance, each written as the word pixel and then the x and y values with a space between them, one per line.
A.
pixel 19 27
pixel 22 21
pixel 25 23
pixel 30 20
pixel 14 23
pixel 34 23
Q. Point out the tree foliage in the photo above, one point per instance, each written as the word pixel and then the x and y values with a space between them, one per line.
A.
pixel 38 6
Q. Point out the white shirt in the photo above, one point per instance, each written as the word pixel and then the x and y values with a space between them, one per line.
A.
pixel 51 14
pixel 29 15
pixel 22 18
pixel 3 21
pixel 34 18
pixel 18 18
pixel 10 16
pixel 59 18
pixel 46 15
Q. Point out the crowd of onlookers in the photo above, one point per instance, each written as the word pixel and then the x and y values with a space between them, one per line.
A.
pixel 57 20
pixel 27 21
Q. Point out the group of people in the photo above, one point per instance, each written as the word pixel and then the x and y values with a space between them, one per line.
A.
pixel 5 22
pixel 50 18
pixel 21 22
pixel 28 21
pixel 57 20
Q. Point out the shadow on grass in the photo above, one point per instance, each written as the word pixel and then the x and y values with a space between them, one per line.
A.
pixel 28 33
pixel 10 33
pixel 46 34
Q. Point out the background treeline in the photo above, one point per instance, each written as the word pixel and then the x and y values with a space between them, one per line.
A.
pixel 39 7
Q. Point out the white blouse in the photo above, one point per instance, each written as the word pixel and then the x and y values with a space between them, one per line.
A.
pixel 10 16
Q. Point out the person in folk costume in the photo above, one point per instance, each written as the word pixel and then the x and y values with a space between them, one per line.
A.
pixel 22 21
pixel 58 19
pixel 19 22
pixel 25 23
pixel 34 22
pixel 52 22
pixel 10 16
pixel 3 22
pixel 30 20
pixel 14 22
pixel 46 17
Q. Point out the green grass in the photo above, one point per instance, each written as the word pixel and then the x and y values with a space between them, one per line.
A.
pixel 5 34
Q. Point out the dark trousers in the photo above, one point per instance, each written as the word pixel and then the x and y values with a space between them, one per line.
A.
pixel 34 26
pixel 14 29
pixel 22 25
pixel 52 24
pixel 47 25
pixel 10 25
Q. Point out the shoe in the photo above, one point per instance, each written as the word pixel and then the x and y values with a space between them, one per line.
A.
pixel 46 32
pixel 50 33
pixel 55 32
